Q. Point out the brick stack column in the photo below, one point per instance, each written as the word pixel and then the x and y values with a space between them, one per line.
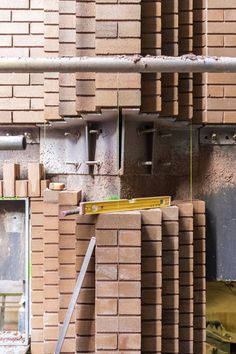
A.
pixel 170 280
pixel 118 283
pixel 118 31
pixel 67 47
pixel 151 45
pixel 170 46
pixel 185 46
pixel 200 48
pixel 37 281
pixel 199 277
pixel 151 281
pixel 85 311
pixel 185 277
pixel 85 43
pixel 67 265
pixel 51 49
pixel 51 276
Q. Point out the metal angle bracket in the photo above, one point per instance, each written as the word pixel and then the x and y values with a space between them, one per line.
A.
pixel 218 135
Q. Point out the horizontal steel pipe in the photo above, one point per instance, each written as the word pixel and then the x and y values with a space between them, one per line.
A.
pixel 10 142
pixel 108 64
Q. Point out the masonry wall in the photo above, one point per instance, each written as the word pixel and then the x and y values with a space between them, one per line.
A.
pixel 55 28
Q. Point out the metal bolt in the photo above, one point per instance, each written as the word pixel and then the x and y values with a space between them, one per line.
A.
pixel 146 131
pixel 145 163
pixel 234 137
pixel 95 131
pixel 91 163
pixel 74 135
pixel 214 137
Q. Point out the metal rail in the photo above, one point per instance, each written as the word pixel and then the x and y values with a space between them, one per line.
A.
pixel 123 64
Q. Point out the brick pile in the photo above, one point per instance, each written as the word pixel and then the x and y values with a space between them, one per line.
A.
pixel 145 287
pixel 118 283
pixel 151 267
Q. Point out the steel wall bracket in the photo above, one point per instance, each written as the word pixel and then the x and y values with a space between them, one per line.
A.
pixel 218 135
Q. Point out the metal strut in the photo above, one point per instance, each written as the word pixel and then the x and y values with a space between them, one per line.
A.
pixel 122 63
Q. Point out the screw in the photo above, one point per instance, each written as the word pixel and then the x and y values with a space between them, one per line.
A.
pixel 234 137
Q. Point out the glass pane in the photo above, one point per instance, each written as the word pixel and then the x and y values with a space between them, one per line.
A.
pixel 12 270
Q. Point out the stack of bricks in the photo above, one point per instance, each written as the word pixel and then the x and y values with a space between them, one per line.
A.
pixel 53 270
pixel 67 47
pixel 51 49
pixel 185 277
pixel 13 186
pixel 221 42
pixel 199 246
pixel 185 46
pixel 151 45
pixel 151 268
pixel 145 286
pixel 170 280
pixel 118 283
pixel 118 30
pixel 170 47
pixel 51 276
pixel 21 34
pixel 85 44
pixel 199 48
pixel 37 280
pixel 85 311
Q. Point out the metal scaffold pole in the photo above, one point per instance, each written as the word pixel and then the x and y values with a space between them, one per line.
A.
pixel 123 64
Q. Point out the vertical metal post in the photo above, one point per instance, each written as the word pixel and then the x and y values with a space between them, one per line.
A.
pixel 75 295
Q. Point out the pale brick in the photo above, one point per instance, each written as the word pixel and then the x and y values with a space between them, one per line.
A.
pixel 84 25
pixel 106 98
pixel 5 15
pixel 28 117
pixel 85 9
pixel 37 28
pixel 129 29
pixel 51 31
pixel 68 21
pixel 14 28
pixel 118 46
pixel 85 104
pixel 86 40
pixel 106 341
pixel 19 4
pixel 51 18
pixel 12 104
pixel 118 12
pixel 105 29
pixel 28 41
pixel 52 5
pixel 14 52
pixel 67 7
pixel 28 16
pixel 5 117
pixel 67 36
pixel 120 80
pixel 29 91
pixel 5 41
pixel 85 88
pixel 129 98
